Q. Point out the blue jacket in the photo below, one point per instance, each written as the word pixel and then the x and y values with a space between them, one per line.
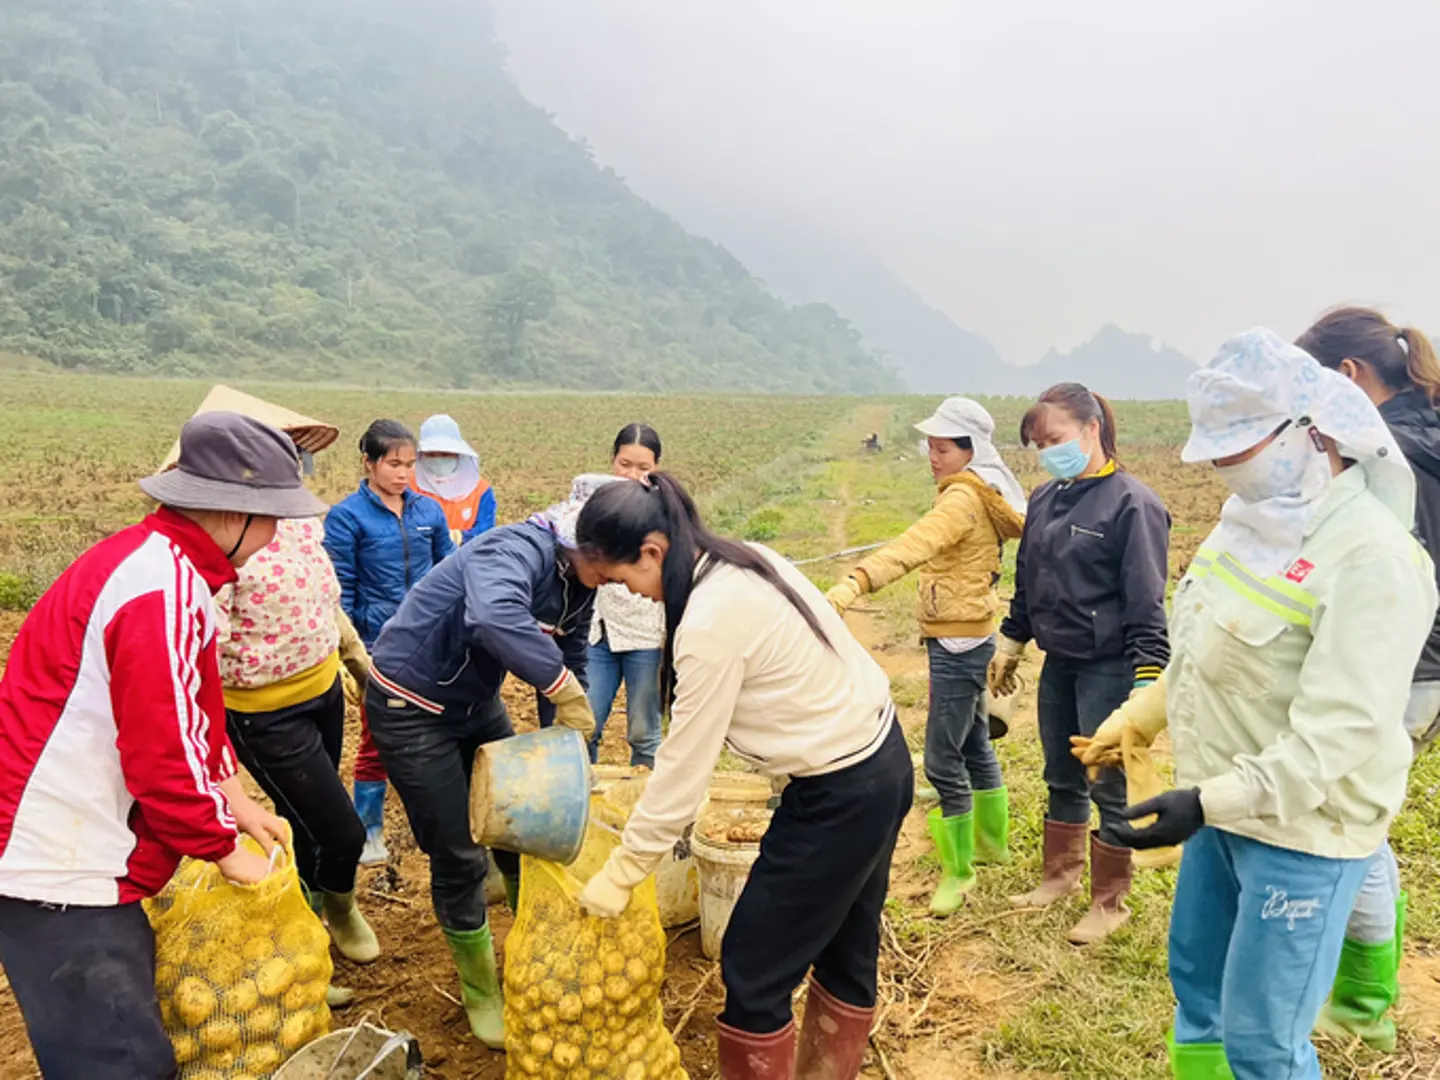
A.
pixel 378 558
pixel 506 602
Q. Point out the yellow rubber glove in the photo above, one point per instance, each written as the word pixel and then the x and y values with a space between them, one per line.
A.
pixel 1002 680
pixel 1143 715
pixel 607 894
pixel 572 707
pixel 844 594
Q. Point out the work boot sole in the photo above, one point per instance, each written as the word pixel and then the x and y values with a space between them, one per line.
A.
pixel 1097 924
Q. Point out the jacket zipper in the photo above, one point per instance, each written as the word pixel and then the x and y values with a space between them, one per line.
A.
pixel 1080 530
pixel 405 542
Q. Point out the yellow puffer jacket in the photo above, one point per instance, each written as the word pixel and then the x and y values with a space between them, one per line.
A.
pixel 956 547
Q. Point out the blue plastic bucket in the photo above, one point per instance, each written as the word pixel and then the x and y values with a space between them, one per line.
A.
pixel 531 793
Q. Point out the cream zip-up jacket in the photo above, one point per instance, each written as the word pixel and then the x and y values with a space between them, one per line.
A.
pixel 1285 695
pixel 752 675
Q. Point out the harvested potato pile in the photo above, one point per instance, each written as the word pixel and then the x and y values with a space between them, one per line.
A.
pixel 582 994
pixel 744 832
pixel 241 973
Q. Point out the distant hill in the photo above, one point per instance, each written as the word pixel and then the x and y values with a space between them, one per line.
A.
pixel 350 191
pixel 1118 364
pixel 929 351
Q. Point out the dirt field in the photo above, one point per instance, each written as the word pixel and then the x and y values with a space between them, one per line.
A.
pixel 990 993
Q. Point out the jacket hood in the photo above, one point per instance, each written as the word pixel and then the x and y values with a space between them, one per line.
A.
pixel 1007 520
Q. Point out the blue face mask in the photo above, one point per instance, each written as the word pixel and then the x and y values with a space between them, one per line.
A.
pixel 1066 461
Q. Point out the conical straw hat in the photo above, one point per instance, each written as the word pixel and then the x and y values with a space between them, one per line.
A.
pixel 311 435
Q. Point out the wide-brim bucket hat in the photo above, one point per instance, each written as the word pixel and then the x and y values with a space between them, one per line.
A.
pixel 441 435
pixel 235 463
pixel 307 433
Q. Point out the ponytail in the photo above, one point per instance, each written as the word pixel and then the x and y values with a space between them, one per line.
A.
pixel 1080 404
pixel 1402 359
pixel 619 516
pixel 1421 366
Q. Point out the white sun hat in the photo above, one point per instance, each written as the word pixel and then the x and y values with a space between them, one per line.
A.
pixel 962 418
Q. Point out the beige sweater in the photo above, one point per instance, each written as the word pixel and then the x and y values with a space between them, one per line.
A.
pixel 751 675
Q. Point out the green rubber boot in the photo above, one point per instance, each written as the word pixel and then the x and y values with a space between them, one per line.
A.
pixel 992 826
pixel 1198 1061
pixel 348 929
pixel 1366 986
pixel 474 952
pixel 337 997
pixel 955 844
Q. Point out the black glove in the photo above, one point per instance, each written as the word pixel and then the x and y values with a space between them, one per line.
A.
pixel 1179 817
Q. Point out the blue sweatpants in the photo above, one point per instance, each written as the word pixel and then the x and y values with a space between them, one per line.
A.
pixel 1255 938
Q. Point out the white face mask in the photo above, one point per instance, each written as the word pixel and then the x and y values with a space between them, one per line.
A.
pixel 1278 471
pixel 442 467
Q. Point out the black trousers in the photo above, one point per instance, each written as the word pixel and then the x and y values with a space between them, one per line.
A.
pixel 815 895
pixel 294 755
pixel 429 758
pixel 85 981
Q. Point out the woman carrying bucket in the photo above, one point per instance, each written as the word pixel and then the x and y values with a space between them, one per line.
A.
pixel 956 547
pixel 757 660
pixel 448 470
pixel 383 538
pixel 1297 629
pixel 628 635
pixel 1090 580
pixel 517 600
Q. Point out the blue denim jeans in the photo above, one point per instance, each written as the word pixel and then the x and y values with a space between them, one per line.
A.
pixel 640 671
pixel 1255 937
pixel 958 754
pixel 1075 698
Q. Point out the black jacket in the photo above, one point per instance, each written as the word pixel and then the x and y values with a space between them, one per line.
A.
pixel 1413 422
pixel 1091 572
pixel 504 602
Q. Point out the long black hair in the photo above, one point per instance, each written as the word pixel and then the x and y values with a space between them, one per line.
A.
pixel 1403 358
pixel 637 435
pixel 617 519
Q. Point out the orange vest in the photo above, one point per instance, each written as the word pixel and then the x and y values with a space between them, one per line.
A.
pixel 459 513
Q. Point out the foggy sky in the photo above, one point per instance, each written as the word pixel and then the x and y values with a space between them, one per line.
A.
pixel 1038 168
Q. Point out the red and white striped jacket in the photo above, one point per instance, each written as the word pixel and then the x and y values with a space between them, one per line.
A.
pixel 112 722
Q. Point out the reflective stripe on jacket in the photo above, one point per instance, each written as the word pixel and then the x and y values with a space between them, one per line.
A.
pixel 1286 694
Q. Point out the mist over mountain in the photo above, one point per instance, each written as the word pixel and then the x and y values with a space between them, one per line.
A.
pixel 1116 363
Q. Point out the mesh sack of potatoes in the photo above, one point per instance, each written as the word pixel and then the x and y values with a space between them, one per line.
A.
pixel 582 994
pixel 240 970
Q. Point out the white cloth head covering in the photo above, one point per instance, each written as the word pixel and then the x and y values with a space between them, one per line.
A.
pixel 1254 385
pixel 561 518
pixel 441 435
pixel 961 418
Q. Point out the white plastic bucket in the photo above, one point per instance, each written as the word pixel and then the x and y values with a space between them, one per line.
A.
pixel 677 883
pixel 724 867
pixel 738 791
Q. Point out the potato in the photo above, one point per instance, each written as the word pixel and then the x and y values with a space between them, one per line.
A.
pixel 613 962
pixel 295 1032
pixel 274 978
pixel 243 997
pixel 566 1055
pixel 631 1005
pixel 302 995
pixel 617 988
pixel 570 1008
pixel 541 1044
pixel 635 1071
pixel 529 1064
pixel 636 1047
pixel 592 997
pixel 597 1057
pixel 261 1059
pixel 258 949
pixel 194 1001
pixel 636 971
pixel 552 991
pixel 222 1034
pixel 591 973
pixel 309 967
pixel 264 1020
pixel 167 977
pixel 187 1048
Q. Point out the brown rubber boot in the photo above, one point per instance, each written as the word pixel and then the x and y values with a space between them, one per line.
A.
pixel 833 1037
pixel 747 1056
pixel 1064 861
pixel 1110 872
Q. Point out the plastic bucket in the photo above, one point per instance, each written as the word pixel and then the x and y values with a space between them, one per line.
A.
pixel 531 793
pixel 724 867
pixel 345 1054
pixel 740 791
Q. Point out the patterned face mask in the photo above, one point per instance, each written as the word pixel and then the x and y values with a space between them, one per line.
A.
pixel 1284 469
pixel 441 465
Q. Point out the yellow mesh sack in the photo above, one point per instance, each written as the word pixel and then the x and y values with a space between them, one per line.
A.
pixel 241 971
pixel 582 994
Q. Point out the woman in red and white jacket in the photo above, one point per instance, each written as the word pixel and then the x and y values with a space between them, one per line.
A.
pixel 114 761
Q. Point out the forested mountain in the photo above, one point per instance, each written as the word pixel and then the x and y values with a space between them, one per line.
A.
pixel 356 191
pixel 929 351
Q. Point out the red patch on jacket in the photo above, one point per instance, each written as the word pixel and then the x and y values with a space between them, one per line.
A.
pixel 1299 571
